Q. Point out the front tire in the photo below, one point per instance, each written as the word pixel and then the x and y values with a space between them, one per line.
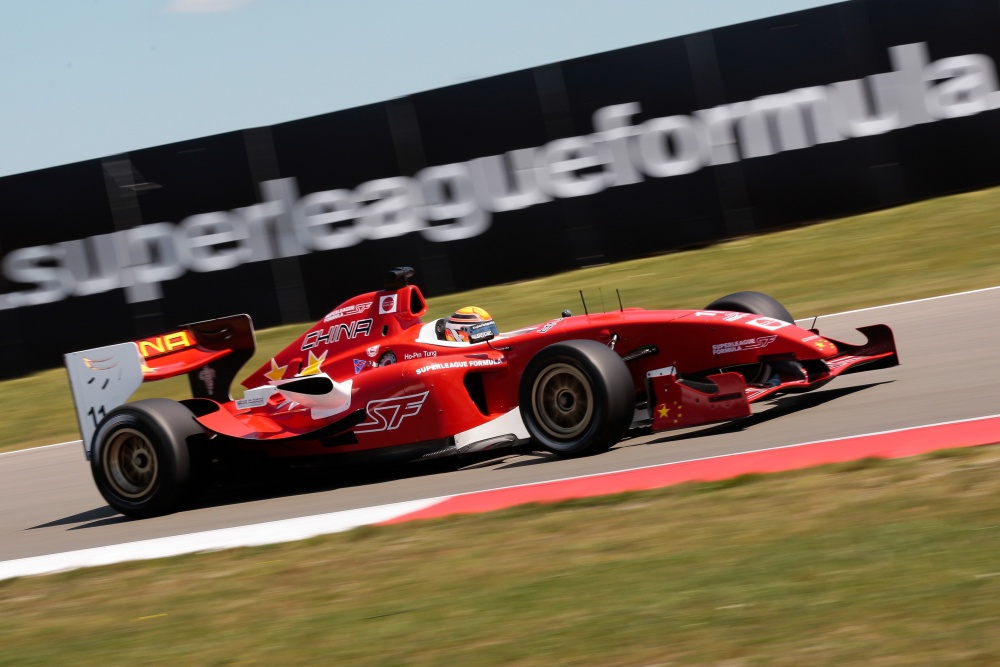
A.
pixel 141 460
pixel 756 303
pixel 577 398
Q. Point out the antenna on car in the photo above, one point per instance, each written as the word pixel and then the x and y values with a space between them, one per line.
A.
pixel 813 327
pixel 585 312
pixel 621 308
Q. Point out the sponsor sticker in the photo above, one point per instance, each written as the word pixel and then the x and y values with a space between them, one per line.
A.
pixel 356 309
pixel 165 344
pixel 360 365
pixel 740 345
pixel 387 414
pixel 247 403
pixel 482 332
pixel 372 351
pixel 767 323
pixel 548 326
pixel 387 304
pixel 255 398
pixel 336 332
pixel 470 363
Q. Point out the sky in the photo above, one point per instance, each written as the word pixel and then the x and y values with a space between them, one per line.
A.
pixel 85 79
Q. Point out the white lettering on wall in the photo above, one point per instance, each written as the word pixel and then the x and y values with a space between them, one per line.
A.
pixel 456 201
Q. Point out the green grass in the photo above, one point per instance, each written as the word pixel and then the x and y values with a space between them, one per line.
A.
pixel 924 249
pixel 886 563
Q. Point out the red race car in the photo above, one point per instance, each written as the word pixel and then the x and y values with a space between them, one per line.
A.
pixel 372 379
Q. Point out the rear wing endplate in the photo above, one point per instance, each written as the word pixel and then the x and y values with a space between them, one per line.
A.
pixel 102 379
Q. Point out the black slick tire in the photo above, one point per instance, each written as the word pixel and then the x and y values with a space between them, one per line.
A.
pixel 576 398
pixel 757 303
pixel 141 461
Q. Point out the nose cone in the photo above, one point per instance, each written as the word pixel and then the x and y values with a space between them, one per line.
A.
pixel 819 347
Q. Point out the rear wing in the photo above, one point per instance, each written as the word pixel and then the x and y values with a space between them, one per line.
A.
pixel 209 352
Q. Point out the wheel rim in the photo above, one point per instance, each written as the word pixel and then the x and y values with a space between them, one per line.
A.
pixel 563 401
pixel 131 463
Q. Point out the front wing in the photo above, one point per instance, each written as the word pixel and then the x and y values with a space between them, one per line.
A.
pixel 675 403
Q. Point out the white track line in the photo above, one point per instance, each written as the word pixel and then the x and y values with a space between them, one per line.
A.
pixel 78 443
pixel 272 532
pixel 903 303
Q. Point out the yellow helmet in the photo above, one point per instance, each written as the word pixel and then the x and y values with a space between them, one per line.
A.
pixel 470 325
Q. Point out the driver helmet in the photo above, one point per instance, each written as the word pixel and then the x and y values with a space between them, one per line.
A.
pixel 470 325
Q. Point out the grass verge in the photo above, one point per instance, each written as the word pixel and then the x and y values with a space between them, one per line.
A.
pixel 885 563
pixel 925 249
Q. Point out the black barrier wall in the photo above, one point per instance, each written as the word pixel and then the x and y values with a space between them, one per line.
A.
pixel 803 117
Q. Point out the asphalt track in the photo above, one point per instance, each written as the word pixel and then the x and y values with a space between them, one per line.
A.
pixel 950 372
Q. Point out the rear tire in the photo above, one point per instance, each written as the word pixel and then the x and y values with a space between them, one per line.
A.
pixel 577 398
pixel 141 460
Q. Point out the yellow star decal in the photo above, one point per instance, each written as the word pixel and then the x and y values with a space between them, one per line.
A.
pixel 823 344
pixel 277 372
pixel 662 411
pixel 312 368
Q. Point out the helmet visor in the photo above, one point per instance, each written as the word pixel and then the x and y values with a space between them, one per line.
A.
pixel 474 332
